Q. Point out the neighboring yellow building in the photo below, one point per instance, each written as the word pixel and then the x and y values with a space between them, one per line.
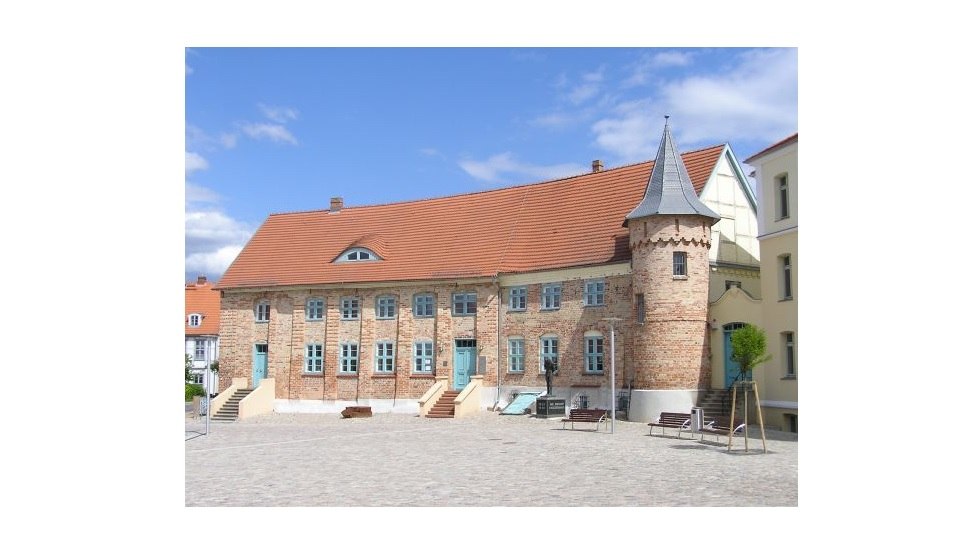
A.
pixel 776 176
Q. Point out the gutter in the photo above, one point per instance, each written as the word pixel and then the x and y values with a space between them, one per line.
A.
pixel 500 326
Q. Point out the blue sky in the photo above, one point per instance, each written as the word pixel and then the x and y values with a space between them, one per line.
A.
pixel 270 130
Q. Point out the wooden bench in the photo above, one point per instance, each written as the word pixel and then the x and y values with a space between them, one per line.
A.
pixel 356 411
pixel 590 416
pixel 715 429
pixel 680 421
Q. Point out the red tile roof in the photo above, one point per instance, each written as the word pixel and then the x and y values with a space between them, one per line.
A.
pixel 788 140
pixel 206 301
pixel 563 223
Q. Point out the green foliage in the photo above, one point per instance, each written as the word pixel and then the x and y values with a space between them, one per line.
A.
pixel 191 390
pixel 749 348
pixel 188 363
pixel 214 366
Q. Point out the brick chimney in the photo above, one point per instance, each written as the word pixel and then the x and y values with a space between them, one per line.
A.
pixel 202 279
pixel 336 204
pixel 596 165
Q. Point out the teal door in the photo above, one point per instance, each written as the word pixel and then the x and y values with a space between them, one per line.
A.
pixel 260 364
pixel 731 367
pixel 464 363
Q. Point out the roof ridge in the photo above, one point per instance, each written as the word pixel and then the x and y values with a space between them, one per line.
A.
pixel 460 194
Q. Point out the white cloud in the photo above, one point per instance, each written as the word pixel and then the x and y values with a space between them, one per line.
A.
pixel 429 151
pixel 497 166
pixel 211 242
pixel 196 139
pixel 228 139
pixel 213 263
pixel 279 114
pixel 588 89
pixel 552 120
pixel 643 69
pixel 194 194
pixel 194 162
pixel 755 99
pixel 275 133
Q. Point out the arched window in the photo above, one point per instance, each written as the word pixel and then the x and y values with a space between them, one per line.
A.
pixel 357 254
pixel 194 320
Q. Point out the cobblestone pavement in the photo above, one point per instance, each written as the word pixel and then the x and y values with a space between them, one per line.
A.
pixel 485 460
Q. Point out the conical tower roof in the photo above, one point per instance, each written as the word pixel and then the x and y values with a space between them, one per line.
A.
pixel 670 191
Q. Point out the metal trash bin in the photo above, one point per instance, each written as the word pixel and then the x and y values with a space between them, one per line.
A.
pixel 697 419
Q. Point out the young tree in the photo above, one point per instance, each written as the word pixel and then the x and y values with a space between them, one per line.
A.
pixel 188 363
pixel 749 348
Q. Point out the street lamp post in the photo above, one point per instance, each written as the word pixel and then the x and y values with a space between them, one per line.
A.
pixel 612 386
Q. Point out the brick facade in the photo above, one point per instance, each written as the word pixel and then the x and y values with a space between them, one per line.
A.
pixel 671 351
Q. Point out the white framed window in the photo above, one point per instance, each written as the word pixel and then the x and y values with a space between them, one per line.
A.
pixel 782 196
pixel 348 358
pixel 384 307
pixel 515 355
pixel 518 298
pixel 789 353
pixel 549 350
pixel 197 377
pixel 680 264
pixel 314 359
pixel 384 357
pixel 423 356
pixel 357 254
pixel 424 305
pixel 350 309
pixel 464 304
pixel 595 292
pixel 593 352
pixel 551 296
pixel 194 320
pixel 199 350
pixel 314 309
pixel 262 311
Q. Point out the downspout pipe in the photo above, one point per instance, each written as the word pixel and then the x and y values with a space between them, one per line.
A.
pixel 500 328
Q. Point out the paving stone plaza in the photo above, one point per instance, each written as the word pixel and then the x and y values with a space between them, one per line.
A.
pixel 397 460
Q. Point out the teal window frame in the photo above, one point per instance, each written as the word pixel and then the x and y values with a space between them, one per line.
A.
pixel 384 356
pixel 422 303
pixel 422 350
pixel 515 355
pixel 551 296
pixel 313 361
pixel 595 292
pixel 594 346
pixel 549 349
pixel 350 308
pixel 314 309
pixel 517 298
pixel 348 355
pixel 385 307
pixel 464 304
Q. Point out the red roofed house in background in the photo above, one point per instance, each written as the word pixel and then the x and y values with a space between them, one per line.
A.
pixel 465 298
pixel 202 314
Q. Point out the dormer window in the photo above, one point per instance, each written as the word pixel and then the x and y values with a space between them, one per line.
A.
pixel 357 254
pixel 194 320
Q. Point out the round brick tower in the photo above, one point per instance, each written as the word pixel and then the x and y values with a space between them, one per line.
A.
pixel 670 235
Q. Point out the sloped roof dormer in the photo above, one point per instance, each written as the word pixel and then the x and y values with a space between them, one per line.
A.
pixel 670 191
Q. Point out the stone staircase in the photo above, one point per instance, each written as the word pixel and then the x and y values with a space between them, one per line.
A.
pixel 444 407
pixel 229 411
pixel 717 405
